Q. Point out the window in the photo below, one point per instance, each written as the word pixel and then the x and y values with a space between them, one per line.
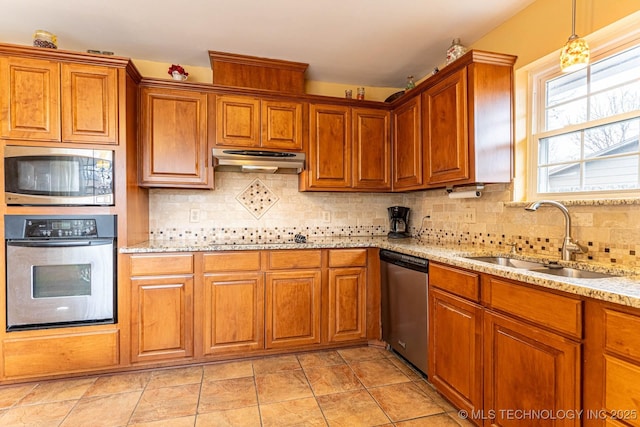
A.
pixel 586 128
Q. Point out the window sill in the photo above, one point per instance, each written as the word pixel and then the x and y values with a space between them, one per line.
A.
pixel 579 202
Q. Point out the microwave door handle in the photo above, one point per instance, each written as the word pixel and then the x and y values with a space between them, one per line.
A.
pixel 57 243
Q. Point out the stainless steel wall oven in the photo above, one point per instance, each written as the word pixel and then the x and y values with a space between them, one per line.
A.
pixel 60 270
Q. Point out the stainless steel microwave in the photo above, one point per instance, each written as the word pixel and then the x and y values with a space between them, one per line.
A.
pixel 58 176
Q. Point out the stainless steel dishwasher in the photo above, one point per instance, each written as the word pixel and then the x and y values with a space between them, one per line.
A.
pixel 404 280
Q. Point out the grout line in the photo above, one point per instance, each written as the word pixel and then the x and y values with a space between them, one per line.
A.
pixel 140 398
pixel 313 393
pixel 255 387
pixel 195 418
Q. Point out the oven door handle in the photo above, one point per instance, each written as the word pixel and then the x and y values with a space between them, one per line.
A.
pixel 58 243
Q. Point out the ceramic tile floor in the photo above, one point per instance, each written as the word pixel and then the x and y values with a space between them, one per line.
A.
pixel 363 386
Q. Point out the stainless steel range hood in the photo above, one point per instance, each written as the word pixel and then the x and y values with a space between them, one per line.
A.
pixel 235 160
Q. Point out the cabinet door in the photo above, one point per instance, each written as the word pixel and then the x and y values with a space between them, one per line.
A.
pixel 237 121
pixel 611 364
pixel 30 99
pixel 446 130
pixel 293 308
pixel 527 368
pixel 174 139
pixel 234 312
pixel 89 104
pixel 329 160
pixel 371 149
pixel 347 304
pixel 161 318
pixel 408 151
pixel 281 125
pixel 455 349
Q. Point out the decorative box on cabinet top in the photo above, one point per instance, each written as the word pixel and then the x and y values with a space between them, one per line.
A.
pixel 230 69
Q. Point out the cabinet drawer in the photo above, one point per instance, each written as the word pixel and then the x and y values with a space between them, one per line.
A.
pixel 281 260
pixel 58 354
pixel 557 312
pixel 622 388
pixel 621 333
pixel 458 282
pixel 154 265
pixel 348 258
pixel 231 261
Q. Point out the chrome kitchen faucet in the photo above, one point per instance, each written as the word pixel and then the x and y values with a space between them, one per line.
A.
pixel 569 246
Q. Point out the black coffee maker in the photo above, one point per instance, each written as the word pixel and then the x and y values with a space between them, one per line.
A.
pixel 398 222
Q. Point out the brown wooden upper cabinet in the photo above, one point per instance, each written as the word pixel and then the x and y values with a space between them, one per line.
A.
pixel 408 150
pixel 89 104
pixel 349 149
pixel 174 148
pixel 371 149
pixel 329 155
pixel 445 130
pixel 467 119
pixel 44 100
pixel 247 122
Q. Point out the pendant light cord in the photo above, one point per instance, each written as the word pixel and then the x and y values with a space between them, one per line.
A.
pixel 573 20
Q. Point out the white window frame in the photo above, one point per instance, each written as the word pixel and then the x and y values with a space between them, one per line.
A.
pixel 603 44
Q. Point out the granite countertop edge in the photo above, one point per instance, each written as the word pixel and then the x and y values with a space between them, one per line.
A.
pixel 624 290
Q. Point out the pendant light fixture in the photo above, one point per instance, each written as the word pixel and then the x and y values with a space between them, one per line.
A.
pixel 575 53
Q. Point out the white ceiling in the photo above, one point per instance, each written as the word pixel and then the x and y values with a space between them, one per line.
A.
pixel 360 42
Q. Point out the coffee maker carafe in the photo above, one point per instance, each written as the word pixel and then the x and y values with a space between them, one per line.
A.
pixel 398 222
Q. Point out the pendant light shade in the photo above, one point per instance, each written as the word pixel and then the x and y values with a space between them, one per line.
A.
pixel 575 53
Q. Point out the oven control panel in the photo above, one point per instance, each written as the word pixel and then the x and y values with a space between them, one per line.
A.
pixel 60 228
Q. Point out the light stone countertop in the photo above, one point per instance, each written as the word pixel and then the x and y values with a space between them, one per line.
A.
pixel 623 290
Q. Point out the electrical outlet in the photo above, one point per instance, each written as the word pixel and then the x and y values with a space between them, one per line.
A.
pixel 326 216
pixel 194 215
pixel 469 215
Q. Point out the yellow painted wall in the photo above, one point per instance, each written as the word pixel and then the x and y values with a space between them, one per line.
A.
pixel 160 70
pixel 545 26
pixel 204 75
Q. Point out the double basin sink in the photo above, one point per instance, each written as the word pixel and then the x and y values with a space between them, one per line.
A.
pixel 540 267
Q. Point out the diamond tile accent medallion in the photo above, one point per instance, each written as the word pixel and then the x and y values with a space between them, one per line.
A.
pixel 257 198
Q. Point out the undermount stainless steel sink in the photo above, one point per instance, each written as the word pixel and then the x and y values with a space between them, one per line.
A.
pixel 541 267
pixel 573 272
pixel 508 262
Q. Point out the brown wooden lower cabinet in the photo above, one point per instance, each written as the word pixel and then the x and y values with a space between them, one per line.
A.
pixel 347 304
pixel 455 340
pixel 292 308
pixel 507 355
pixel 234 312
pixel 60 352
pixel 201 305
pixel 233 302
pixel 161 318
pixel 612 365
pixel 162 306
pixel 528 369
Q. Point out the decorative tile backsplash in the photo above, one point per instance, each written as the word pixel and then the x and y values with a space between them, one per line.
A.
pixel 248 235
pixel 257 198
pixel 610 230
